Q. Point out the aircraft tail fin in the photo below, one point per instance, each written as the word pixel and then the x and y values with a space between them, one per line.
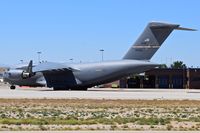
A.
pixel 151 39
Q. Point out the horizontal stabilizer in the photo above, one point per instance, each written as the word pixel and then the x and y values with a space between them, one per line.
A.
pixel 188 29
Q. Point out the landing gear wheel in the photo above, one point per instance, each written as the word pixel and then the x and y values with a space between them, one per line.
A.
pixel 12 87
pixel 84 89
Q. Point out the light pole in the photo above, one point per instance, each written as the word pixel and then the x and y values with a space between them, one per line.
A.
pixel 39 53
pixel 101 50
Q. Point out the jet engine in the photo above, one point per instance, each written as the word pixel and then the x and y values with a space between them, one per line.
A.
pixel 16 74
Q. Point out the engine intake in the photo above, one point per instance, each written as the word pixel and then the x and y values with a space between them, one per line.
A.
pixel 25 75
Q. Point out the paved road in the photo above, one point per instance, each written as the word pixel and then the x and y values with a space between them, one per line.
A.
pixel 99 93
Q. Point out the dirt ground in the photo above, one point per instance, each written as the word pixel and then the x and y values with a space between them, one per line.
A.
pixel 77 114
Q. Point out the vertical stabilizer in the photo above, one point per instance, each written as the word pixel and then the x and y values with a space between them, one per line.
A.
pixel 150 40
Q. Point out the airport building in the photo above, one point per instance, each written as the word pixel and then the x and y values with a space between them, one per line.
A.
pixel 172 78
pixel 163 78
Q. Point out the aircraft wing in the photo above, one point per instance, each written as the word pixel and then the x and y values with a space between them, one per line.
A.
pixel 57 74
pixel 49 67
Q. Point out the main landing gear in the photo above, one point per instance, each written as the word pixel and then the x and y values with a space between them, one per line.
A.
pixel 80 89
pixel 12 87
pixel 59 89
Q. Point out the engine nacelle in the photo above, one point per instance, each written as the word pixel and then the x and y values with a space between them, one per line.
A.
pixel 25 75
pixel 16 74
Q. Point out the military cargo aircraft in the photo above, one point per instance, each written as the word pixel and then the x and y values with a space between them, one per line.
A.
pixel 65 76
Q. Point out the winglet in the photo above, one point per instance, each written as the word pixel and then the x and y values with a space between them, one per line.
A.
pixel 30 67
pixel 29 71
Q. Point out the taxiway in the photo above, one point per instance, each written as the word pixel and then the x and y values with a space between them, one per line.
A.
pixel 101 93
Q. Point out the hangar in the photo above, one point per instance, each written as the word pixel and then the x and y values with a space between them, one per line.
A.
pixel 164 78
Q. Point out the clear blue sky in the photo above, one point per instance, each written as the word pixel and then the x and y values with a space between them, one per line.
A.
pixel 64 29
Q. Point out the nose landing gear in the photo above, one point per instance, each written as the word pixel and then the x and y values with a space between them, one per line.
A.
pixel 12 87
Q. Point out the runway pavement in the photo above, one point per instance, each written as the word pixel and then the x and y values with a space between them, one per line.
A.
pixel 100 93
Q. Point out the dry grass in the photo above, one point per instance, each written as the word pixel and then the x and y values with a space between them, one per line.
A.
pixel 78 114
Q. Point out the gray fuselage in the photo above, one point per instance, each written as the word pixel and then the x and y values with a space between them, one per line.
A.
pixel 85 74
